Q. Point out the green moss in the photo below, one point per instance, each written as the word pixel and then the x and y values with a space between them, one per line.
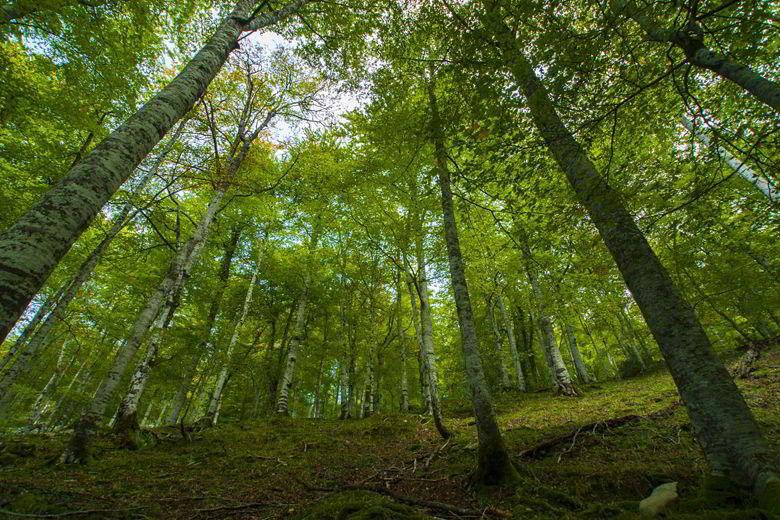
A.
pixel 360 505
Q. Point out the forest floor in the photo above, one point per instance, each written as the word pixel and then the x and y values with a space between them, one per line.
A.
pixel 324 469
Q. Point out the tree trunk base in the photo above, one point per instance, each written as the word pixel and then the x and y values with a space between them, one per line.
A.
pixel 78 450
pixel 567 389
pixel 494 468
pixel 128 432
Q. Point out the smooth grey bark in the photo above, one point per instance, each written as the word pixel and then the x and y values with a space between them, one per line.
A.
pixel 509 329
pixel 424 381
pixel 722 421
pixel 212 413
pixel 579 364
pixel 402 346
pixel 32 247
pixel 282 401
pixel 559 374
pixel 38 340
pixel 126 420
pixel 761 183
pixel 42 402
pixel 181 264
pixel 427 354
pixel 497 339
pixel 691 41
pixel 179 399
pixel 494 467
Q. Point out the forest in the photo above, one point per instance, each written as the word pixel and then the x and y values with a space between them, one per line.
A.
pixel 390 259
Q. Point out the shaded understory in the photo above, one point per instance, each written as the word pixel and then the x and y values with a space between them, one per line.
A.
pixel 318 469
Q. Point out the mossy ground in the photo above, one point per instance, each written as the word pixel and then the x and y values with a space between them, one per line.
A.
pixel 267 468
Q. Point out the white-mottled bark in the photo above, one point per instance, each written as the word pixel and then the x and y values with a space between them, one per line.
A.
pixel 552 354
pixel 497 339
pixel 427 354
pixel 509 328
pixel 38 340
pixel 177 273
pixel 579 364
pixel 424 379
pixel 32 247
pixel 493 463
pixel 212 413
pixel 286 382
pixel 740 167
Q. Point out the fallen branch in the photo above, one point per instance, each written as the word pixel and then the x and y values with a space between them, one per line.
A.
pixel 542 448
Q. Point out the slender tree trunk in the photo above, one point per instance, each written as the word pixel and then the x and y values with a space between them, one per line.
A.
pixel 32 247
pixel 424 379
pixel 78 449
pixel 723 423
pixel 126 423
pixel 224 275
pixel 503 374
pixel 402 346
pixel 690 41
pixel 427 355
pixel 509 328
pixel 212 413
pixel 740 167
pixel 42 401
pixel 579 364
pixel 38 340
pixel 493 463
pixel 368 389
pixel 558 372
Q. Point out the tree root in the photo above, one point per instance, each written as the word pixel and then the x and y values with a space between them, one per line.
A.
pixel 544 447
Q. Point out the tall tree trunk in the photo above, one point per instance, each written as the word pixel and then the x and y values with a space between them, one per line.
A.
pixel 78 448
pixel 579 364
pixel 216 300
pixel 427 355
pixel 509 328
pixel 493 463
pixel 42 401
pixel 212 413
pixel 723 423
pixel 38 339
pixel 559 374
pixel 504 375
pixel 368 389
pixel 690 41
pixel 282 401
pixel 126 419
pixel 32 247
pixel 402 346
pixel 425 390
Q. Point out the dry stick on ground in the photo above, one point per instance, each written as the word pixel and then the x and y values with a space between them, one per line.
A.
pixel 543 447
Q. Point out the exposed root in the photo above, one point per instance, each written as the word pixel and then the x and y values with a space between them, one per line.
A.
pixel 544 447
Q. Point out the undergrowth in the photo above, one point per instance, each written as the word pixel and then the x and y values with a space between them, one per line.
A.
pixel 326 469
